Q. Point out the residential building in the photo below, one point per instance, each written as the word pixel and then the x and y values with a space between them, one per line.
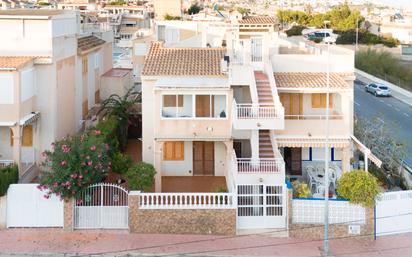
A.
pixel 167 7
pixel 242 109
pixel 50 77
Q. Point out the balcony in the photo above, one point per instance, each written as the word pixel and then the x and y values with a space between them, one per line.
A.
pixel 258 116
pixel 262 165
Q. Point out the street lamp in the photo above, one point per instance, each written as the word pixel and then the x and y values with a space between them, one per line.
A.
pixel 326 175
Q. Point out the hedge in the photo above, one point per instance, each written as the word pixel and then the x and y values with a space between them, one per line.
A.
pixel 8 175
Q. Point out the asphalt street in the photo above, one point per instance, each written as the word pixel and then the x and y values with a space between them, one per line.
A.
pixel 394 113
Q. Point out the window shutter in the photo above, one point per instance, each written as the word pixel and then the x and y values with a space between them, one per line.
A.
pixel 179 151
pixel 330 101
pixel 169 101
pixel 11 138
pixel 27 135
pixel 173 151
pixel 180 101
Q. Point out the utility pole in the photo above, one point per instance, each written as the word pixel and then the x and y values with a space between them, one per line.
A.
pixel 357 33
pixel 326 175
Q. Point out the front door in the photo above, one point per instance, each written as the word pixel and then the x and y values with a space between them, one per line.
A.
pixel 203 158
pixel 293 161
pixel 256 44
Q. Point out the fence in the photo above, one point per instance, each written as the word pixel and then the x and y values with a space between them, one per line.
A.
pixel 311 211
pixel 256 111
pixel 394 213
pixel 187 200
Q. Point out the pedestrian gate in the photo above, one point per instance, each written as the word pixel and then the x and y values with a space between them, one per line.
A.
pixel 261 206
pixel 102 206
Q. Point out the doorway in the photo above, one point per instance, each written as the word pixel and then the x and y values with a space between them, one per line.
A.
pixel 203 158
pixel 293 161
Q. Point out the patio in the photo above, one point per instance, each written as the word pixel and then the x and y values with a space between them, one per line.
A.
pixel 193 184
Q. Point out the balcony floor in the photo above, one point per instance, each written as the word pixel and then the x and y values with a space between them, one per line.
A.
pixel 192 184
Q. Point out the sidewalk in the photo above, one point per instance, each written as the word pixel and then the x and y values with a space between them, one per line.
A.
pixel 56 242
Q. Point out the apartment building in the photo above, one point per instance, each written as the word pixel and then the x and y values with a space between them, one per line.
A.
pixel 243 110
pixel 50 77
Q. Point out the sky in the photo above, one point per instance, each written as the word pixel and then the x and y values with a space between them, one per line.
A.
pixel 406 4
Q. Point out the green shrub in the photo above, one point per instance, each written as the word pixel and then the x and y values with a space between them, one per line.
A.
pixel 108 128
pixel 171 17
pixel 300 189
pixel 121 163
pixel 358 187
pixel 141 176
pixel 364 37
pixel 295 31
pixel 194 8
pixel 8 175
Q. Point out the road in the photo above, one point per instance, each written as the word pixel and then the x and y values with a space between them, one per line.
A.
pixel 391 111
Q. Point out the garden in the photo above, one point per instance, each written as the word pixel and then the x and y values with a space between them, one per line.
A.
pixel 96 155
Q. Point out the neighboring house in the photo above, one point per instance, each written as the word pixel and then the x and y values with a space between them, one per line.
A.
pixel 241 118
pixel 50 78
pixel 167 7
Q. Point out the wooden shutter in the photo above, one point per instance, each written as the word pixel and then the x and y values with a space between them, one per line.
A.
pixel 316 101
pixel 319 100
pixel 203 106
pixel 27 135
pixel 173 151
pixel 169 101
pixel 11 138
pixel 180 101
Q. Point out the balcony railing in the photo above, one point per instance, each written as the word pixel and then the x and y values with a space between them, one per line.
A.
pixel 256 111
pixel 5 163
pixel 262 165
pixel 314 117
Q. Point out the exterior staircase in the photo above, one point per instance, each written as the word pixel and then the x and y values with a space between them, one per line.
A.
pixel 265 145
pixel 265 96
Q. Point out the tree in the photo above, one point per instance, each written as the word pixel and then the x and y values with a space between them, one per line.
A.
pixel 8 175
pixel 243 11
pixel 121 108
pixel 74 163
pixel 141 176
pixel 380 140
pixel 359 187
pixel 194 8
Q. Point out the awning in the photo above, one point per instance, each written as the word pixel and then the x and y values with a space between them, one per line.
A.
pixel 7 123
pixel 338 142
pixel 366 151
pixel 29 118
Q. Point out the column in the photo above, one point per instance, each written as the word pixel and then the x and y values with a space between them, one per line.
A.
pixel 346 154
pixel 158 165
pixel 134 204
pixel 16 145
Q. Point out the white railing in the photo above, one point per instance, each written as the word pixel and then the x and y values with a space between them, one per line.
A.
pixel 187 200
pixel 311 211
pixel 95 27
pixel 256 111
pixel 313 117
pixel 262 165
pixel 5 163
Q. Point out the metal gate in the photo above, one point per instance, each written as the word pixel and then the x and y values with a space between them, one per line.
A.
pixel 102 206
pixel 261 206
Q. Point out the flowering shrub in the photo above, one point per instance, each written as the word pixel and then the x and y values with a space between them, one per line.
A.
pixel 74 163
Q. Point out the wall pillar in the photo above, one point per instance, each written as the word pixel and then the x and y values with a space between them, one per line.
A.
pixel 158 146
pixel 68 214
pixel 134 204
pixel 17 145
pixel 346 154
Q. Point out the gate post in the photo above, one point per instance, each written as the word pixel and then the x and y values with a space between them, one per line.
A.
pixel 134 205
pixel 68 214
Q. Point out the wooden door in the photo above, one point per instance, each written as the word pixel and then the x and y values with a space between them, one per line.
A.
pixel 293 104
pixel 296 162
pixel 203 158
pixel 293 161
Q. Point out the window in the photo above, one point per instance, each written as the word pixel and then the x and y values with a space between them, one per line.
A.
pixel 161 32
pixel 319 100
pixel 173 101
pixel 177 106
pixel 85 63
pixel 211 106
pixel 27 138
pixel 173 151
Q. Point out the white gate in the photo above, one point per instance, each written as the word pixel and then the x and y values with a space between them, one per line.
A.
pixel 394 213
pixel 102 206
pixel 27 207
pixel 261 206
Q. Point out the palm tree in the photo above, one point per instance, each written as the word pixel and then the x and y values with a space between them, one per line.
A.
pixel 121 108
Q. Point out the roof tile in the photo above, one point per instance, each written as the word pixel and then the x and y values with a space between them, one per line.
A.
pixel 14 62
pixel 309 80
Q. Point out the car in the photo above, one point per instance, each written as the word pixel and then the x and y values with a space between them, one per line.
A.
pixel 320 35
pixel 378 89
